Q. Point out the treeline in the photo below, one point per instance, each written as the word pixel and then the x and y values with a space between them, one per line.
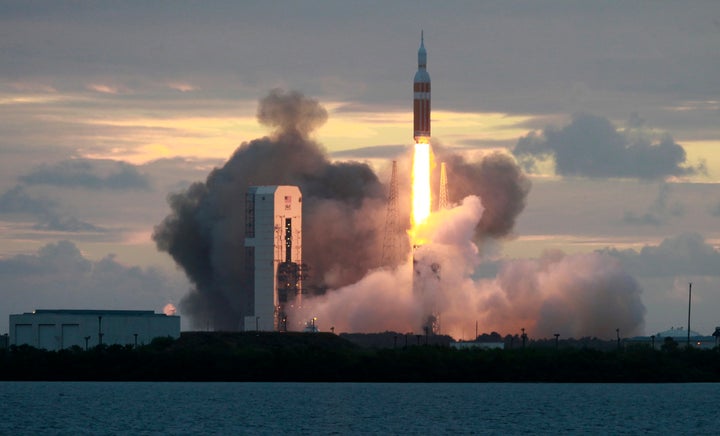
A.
pixel 325 357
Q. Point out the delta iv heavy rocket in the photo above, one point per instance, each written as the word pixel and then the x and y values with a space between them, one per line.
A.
pixel 421 99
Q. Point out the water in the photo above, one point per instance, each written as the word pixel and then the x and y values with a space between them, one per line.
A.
pixel 355 408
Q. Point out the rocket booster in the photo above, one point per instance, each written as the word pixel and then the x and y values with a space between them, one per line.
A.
pixel 421 98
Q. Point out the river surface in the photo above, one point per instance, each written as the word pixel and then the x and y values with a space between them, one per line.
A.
pixel 356 408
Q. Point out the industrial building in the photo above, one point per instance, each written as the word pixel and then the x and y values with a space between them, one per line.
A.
pixel 273 255
pixel 59 329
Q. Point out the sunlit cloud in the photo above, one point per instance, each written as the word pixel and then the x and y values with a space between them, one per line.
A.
pixel 29 99
pixel 105 89
pixel 695 105
pixel 181 86
pixel 32 87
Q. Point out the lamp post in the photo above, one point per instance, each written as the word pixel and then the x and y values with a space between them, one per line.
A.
pixel 617 331
pixel 557 336
pixel 100 334
pixel 689 306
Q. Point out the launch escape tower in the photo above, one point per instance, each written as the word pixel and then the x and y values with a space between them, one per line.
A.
pixel 273 255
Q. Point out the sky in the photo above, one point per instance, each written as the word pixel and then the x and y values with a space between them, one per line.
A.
pixel 106 108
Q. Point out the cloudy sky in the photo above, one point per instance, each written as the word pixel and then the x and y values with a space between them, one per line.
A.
pixel 611 108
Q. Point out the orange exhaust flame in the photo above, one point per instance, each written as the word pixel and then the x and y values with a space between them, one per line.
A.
pixel 421 196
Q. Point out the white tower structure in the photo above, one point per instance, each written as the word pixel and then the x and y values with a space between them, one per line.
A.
pixel 273 254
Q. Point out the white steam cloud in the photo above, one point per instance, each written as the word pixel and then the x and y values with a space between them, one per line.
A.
pixel 573 295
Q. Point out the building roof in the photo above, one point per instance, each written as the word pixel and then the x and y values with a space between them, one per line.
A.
pixel 678 332
pixel 94 312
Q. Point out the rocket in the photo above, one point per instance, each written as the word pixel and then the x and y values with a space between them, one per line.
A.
pixel 421 98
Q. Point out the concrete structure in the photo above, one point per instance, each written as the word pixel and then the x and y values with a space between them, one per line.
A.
pixel 421 97
pixel 273 255
pixel 58 329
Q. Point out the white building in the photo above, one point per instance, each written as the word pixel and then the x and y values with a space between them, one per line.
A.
pixel 273 255
pixel 58 329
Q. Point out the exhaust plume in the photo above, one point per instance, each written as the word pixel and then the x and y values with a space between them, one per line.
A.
pixel 573 295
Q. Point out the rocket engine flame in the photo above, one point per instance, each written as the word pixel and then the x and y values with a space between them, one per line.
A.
pixel 421 196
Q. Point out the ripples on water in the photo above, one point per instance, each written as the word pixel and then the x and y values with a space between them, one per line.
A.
pixel 352 408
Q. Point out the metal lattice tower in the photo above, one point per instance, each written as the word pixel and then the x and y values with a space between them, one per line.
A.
pixel 390 241
pixel 443 195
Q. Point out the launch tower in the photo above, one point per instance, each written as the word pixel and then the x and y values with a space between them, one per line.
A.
pixel 273 254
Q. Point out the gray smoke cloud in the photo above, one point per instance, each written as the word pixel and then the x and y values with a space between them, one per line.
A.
pixel 591 146
pixel 343 212
pixel 499 182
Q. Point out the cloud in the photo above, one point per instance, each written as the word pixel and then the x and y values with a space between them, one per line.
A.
pixel 69 224
pixel 89 174
pixel 59 276
pixel 17 200
pixel 685 254
pixel 590 146
pixel 375 151
pixel 715 210
pixel 658 212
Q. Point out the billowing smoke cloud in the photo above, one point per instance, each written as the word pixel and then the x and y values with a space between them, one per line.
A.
pixel 591 146
pixel 578 295
pixel 343 213
pixel 497 180
pixel 573 295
